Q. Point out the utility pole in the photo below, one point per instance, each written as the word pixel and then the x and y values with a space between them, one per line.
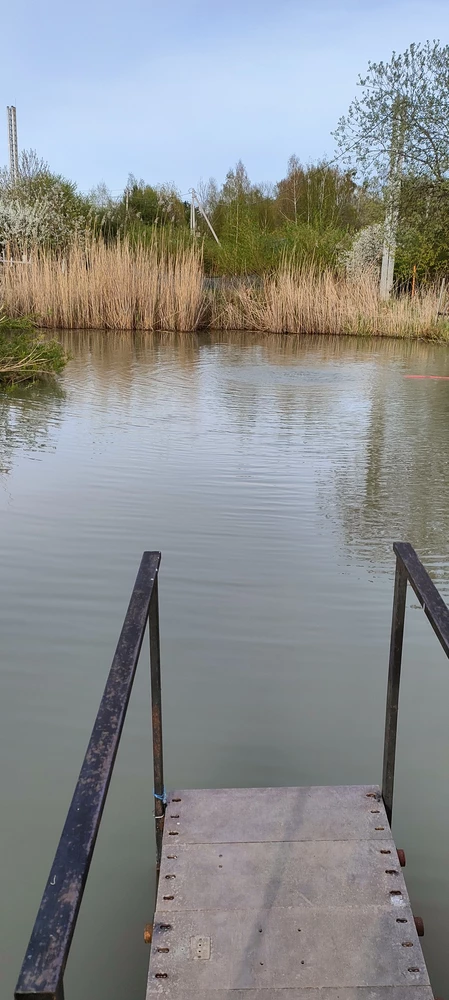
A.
pixel 13 146
pixel 195 203
pixel 192 213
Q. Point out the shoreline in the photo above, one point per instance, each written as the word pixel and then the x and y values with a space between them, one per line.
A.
pixel 123 288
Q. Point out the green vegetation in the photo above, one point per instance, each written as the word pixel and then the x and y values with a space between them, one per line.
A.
pixel 26 357
pixel 309 215
pixel 397 131
pixel 313 214
pixel 126 262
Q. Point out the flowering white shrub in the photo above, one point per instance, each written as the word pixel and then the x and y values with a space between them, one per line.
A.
pixel 38 208
pixel 23 225
pixel 365 255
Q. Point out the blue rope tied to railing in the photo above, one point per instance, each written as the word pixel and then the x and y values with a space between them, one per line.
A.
pixel 162 798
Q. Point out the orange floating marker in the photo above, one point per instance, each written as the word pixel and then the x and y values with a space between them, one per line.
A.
pixel 443 378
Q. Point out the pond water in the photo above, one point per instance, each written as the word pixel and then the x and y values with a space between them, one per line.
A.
pixel 274 474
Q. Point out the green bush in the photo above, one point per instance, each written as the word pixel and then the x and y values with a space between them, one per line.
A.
pixel 258 252
pixel 26 357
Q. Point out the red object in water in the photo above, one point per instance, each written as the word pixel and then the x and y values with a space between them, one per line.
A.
pixel 442 377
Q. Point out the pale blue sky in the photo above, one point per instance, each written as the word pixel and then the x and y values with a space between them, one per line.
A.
pixel 180 89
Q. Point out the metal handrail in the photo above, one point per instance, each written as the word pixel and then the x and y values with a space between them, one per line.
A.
pixel 409 569
pixel 42 972
pixel 43 968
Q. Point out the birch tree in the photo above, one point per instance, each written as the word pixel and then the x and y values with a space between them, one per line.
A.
pixel 400 121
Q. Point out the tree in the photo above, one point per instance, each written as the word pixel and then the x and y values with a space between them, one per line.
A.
pixel 100 197
pixel 23 226
pixel 208 194
pixel 237 185
pixel 289 188
pixel 31 168
pixel 141 201
pixel 400 121
pixel 320 195
pixel 152 206
pixel 232 214
pixel 423 230
pixel 364 256
pixel 39 207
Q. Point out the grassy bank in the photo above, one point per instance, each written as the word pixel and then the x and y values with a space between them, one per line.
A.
pixel 135 288
pixel 26 357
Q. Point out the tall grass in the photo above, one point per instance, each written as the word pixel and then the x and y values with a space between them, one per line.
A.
pixel 125 287
pixel 307 300
pixel 113 288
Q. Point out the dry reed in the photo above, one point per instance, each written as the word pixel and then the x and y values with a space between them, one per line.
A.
pixel 304 300
pixel 112 288
pixel 136 288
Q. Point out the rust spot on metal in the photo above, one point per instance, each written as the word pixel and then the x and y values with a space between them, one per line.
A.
pixel 419 924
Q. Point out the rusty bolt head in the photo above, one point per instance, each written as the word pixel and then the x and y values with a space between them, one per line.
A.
pixel 419 924
pixel 148 933
pixel 401 857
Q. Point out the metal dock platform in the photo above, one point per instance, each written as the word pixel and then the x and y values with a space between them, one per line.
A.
pixel 263 893
pixel 270 893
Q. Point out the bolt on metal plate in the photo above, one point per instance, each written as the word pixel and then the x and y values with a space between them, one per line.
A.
pixel 200 947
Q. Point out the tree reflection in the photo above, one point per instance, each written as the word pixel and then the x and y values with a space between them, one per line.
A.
pixel 336 413
pixel 28 418
pixel 376 443
pixel 391 484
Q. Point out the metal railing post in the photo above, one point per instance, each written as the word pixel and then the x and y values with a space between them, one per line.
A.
pixel 156 714
pixel 394 678
pixel 41 975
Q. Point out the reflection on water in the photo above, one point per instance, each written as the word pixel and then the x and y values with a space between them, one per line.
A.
pixel 26 419
pixel 274 473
